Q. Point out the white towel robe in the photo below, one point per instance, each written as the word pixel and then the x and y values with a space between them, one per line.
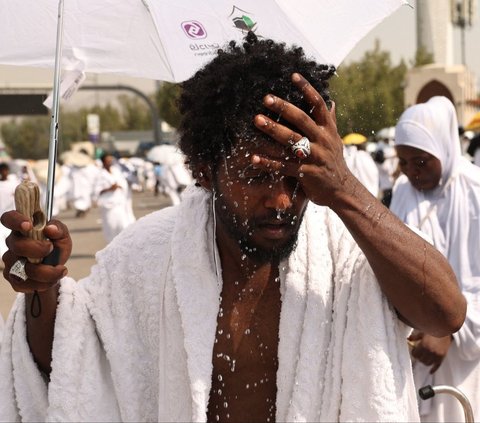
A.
pixel 134 341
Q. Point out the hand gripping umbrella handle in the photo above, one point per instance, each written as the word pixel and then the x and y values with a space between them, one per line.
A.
pixel 27 202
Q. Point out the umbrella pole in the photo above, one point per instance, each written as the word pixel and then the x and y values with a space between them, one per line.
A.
pixel 53 143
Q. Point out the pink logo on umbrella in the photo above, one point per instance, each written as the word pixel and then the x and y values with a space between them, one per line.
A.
pixel 194 30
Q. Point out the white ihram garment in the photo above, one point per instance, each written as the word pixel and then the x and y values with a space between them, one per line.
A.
pixel 134 341
pixel 115 206
pixel 450 216
pixel 7 202
pixel 362 165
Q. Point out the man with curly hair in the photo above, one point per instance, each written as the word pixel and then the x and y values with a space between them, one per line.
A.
pixel 278 290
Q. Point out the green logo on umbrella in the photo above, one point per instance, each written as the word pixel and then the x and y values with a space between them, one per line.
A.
pixel 242 21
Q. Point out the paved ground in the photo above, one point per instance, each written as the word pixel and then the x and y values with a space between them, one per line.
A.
pixel 87 239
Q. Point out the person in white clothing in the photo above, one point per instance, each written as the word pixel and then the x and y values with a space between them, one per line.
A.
pixel 8 183
pixel 83 181
pixel 439 194
pixel 362 165
pixel 279 289
pixel 175 177
pixel 113 198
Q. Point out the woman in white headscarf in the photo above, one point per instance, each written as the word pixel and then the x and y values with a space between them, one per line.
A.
pixel 439 193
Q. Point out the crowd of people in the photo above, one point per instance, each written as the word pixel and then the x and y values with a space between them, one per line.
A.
pixel 280 288
pixel 82 183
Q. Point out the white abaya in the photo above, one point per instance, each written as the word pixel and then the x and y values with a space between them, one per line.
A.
pixel 450 216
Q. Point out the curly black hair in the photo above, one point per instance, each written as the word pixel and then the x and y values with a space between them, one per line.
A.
pixel 219 102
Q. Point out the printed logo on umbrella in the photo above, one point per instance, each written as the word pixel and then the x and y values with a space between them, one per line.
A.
pixel 241 20
pixel 194 30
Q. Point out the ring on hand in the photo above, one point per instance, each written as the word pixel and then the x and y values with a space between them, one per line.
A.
pixel 18 269
pixel 301 148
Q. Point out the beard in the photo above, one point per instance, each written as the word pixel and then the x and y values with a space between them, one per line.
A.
pixel 243 232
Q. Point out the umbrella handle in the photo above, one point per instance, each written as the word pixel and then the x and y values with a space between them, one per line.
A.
pixel 27 202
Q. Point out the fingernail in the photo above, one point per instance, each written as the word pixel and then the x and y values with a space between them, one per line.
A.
pixel 255 159
pixel 269 100
pixel 26 226
pixel 261 121
pixel 296 77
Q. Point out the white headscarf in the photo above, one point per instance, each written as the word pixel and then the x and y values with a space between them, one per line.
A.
pixel 450 213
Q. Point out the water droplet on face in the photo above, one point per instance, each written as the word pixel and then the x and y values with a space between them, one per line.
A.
pixel 247 331
pixel 220 378
pixel 225 404
pixel 301 175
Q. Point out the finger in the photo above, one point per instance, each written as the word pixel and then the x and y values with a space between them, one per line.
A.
pixel 291 168
pixel 276 131
pixel 16 221
pixel 59 234
pixel 40 277
pixel 22 246
pixel 416 336
pixel 292 114
pixel 333 112
pixel 318 107
pixel 435 367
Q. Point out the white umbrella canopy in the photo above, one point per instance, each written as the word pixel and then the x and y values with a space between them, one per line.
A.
pixel 170 40
pixel 165 154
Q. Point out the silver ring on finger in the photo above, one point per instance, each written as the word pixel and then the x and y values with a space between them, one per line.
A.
pixel 18 269
pixel 301 148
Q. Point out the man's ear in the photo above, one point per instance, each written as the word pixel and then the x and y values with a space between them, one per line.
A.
pixel 203 175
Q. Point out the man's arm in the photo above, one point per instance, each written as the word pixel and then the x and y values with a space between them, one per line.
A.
pixel 41 278
pixel 414 276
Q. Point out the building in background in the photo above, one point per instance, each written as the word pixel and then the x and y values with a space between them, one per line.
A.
pixel 436 20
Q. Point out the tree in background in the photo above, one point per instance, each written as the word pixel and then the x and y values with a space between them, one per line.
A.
pixel 368 94
pixel 422 57
pixel 28 138
pixel 167 96
pixel 135 114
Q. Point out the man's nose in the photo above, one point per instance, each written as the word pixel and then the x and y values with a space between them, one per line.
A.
pixel 279 196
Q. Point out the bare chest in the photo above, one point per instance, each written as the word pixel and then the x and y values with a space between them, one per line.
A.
pixel 245 356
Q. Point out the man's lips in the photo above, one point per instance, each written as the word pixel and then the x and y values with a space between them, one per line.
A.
pixel 275 229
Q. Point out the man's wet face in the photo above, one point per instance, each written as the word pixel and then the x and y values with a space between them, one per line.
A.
pixel 262 211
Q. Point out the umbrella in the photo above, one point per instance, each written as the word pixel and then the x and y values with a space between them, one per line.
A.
pixel 474 124
pixel 40 169
pixel 354 139
pixel 76 158
pixel 168 40
pixel 165 154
